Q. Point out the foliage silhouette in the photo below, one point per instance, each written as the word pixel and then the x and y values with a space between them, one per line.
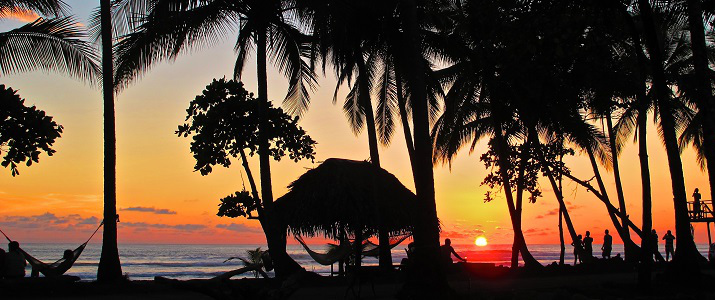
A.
pixel 25 132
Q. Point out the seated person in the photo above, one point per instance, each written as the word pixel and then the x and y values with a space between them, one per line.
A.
pixel 14 261
pixel 447 252
pixel 60 269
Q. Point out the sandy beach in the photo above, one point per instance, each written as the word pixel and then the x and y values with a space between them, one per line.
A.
pixel 564 283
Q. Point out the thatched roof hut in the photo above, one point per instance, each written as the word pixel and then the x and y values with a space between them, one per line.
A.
pixel 347 195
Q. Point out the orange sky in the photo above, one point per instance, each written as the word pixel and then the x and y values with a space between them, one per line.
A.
pixel 161 199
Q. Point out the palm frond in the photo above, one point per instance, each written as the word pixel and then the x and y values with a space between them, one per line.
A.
pixel 44 7
pixel 50 45
pixel 386 104
pixel 290 50
pixel 166 34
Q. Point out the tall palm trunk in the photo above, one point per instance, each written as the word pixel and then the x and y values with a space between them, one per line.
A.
pixel 562 252
pixel 706 103
pixel 646 243
pixel 273 228
pixel 109 268
pixel 686 254
pixel 431 280
pixel 385 258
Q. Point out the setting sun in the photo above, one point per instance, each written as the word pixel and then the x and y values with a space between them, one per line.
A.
pixel 481 241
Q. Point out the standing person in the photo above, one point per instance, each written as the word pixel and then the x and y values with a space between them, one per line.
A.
pixel 669 249
pixel 2 263
pixel 14 261
pixel 577 249
pixel 696 202
pixel 588 246
pixel 654 237
pixel 607 245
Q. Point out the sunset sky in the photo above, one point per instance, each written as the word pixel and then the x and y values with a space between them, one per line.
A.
pixel 161 199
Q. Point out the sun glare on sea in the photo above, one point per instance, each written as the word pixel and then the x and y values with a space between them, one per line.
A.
pixel 481 241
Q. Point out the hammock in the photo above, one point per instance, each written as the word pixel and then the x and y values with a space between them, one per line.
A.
pixel 374 250
pixel 60 266
pixel 329 258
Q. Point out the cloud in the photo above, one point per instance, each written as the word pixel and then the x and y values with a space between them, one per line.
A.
pixel 552 212
pixel 21 15
pixel 158 211
pixel 237 227
pixel 538 231
pixel 182 227
pixel 48 221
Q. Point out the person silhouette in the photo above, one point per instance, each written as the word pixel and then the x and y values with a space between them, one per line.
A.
pixel 577 249
pixel 696 203
pixel 447 252
pixel 2 263
pixel 607 245
pixel 588 246
pixel 669 249
pixel 14 261
pixel 654 236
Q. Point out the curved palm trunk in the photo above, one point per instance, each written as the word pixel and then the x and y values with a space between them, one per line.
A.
pixel 614 213
pixel 501 149
pixel 706 103
pixel 616 170
pixel 109 269
pixel 686 254
pixel 562 205
pixel 523 158
pixel 402 106
pixel 385 257
pixel 273 228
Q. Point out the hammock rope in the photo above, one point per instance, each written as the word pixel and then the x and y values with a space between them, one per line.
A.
pixel 326 259
pixel 374 250
pixel 58 267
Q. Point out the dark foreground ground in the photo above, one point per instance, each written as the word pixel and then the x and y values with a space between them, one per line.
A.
pixel 470 282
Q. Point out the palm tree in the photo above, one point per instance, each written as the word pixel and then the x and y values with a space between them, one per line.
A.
pixel 703 90
pixel 170 27
pixel 341 34
pixel 687 254
pixel 110 269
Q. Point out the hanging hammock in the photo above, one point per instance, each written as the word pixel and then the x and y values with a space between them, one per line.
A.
pixel 60 266
pixel 374 249
pixel 326 259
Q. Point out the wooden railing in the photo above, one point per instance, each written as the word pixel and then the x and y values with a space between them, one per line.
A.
pixel 703 213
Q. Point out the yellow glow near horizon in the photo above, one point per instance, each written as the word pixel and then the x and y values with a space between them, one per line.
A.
pixel 481 241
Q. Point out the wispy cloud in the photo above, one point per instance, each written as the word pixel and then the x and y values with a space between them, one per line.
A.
pixel 48 221
pixel 238 227
pixel 158 211
pixel 182 227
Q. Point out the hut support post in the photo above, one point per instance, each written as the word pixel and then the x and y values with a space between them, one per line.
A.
pixel 710 240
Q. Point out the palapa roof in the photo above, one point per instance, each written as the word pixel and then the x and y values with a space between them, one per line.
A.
pixel 346 194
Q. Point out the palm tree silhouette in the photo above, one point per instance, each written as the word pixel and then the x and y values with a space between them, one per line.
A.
pixel 171 27
pixel 686 255
pixel 110 268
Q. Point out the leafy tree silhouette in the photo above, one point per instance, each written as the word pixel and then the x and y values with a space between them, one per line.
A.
pixel 223 123
pixel 25 132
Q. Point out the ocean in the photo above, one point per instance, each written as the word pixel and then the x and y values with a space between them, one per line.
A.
pixel 145 261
